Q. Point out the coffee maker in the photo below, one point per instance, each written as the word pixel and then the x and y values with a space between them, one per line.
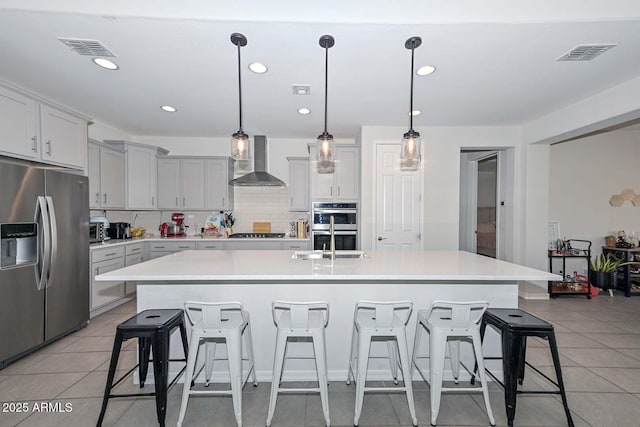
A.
pixel 178 219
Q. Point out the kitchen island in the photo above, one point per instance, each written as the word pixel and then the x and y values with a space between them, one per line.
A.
pixel 256 278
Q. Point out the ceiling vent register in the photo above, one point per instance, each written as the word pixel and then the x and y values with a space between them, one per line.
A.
pixel 586 52
pixel 88 47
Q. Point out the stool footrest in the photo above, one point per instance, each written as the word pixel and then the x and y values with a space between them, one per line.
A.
pixel 298 390
pixel 385 389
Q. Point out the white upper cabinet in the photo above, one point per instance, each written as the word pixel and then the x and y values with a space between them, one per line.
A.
pixel 181 183
pixel 141 173
pixel 299 184
pixel 106 169
pixel 63 138
pixel 33 130
pixel 18 125
pixel 218 192
pixel 344 182
pixel 168 183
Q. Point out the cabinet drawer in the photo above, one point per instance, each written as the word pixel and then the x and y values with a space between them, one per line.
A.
pixel 172 246
pixel 105 292
pixel 298 246
pixel 133 259
pixel 210 245
pixel 135 248
pixel 99 255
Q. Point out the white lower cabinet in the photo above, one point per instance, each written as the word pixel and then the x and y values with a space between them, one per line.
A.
pixel 210 245
pixel 266 244
pixel 158 249
pixel 297 245
pixel 104 260
pixel 134 254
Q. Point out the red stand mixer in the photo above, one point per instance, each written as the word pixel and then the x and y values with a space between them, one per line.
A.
pixel 175 228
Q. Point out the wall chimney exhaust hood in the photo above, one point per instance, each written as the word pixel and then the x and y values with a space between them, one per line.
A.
pixel 259 177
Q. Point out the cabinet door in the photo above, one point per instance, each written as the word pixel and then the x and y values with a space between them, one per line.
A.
pixel 105 292
pixel 111 178
pixel 219 194
pixel 169 184
pixel 93 168
pixel 347 173
pixel 193 177
pixel 18 125
pixel 64 138
pixel 141 178
pixel 299 185
pixel 129 286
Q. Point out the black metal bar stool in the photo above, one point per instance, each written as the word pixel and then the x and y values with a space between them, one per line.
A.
pixel 153 329
pixel 515 326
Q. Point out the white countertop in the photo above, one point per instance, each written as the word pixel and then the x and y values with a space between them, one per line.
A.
pixel 265 265
pixel 119 242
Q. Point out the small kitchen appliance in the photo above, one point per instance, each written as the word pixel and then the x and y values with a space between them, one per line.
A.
pixel 120 230
pixel 97 232
pixel 178 219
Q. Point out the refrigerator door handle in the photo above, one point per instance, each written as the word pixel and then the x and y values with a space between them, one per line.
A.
pixel 54 241
pixel 43 265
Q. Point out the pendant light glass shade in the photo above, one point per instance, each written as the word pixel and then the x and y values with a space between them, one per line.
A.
pixel 240 146
pixel 239 140
pixel 410 150
pixel 411 141
pixel 325 147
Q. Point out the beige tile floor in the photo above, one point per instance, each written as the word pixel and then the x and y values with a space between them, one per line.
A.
pixel 599 344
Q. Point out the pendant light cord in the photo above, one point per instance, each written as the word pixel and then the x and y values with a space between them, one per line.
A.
pixel 239 90
pixel 411 96
pixel 326 84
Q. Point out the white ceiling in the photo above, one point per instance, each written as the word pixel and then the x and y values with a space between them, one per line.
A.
pixel 496 61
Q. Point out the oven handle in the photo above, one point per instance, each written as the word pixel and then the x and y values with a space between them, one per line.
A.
pixel 335 211
pixel 337 233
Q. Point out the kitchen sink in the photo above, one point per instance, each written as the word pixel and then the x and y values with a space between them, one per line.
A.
pixel 327 254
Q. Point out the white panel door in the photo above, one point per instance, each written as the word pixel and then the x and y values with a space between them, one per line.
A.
pixel 112 175
pixel 398 202
pixel 169 196
pixel 18 124
pixel 93 168
pixel 64 138
pixel 192 183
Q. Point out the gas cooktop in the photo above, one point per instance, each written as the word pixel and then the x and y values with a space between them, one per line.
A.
pixel 256 235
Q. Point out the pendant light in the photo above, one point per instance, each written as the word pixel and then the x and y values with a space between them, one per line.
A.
pixel 410 146
pixel 239 140
pixel 325 150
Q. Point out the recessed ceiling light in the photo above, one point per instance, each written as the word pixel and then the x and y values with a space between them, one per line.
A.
pixel 169 108
pixel 105 63
pixel 416 112
pixel 304 111
pixel 425 70
pixel 258 67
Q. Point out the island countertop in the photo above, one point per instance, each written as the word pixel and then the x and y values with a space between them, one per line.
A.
pixel 278 265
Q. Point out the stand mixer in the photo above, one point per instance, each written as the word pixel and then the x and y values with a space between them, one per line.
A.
pixel 179 230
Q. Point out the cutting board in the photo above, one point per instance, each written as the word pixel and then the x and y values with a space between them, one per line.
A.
pixel 262 227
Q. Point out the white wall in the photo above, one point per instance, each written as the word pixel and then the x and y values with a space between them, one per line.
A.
pixel 584 174
pixel 101 131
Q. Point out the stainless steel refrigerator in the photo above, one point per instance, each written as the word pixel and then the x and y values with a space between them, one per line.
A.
pixel 44 248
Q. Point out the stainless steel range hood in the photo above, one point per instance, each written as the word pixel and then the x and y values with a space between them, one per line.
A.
pixel 259 177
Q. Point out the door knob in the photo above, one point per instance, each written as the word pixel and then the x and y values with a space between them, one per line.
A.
pixel 381 238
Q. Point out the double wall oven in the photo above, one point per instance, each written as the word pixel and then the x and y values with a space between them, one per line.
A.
pixel 345 216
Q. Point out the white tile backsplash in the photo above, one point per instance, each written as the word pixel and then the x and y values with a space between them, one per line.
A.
pixel 252 204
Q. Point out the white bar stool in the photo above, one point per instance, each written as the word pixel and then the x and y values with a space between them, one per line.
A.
pixel 211 322
pixel 383 320
pixel 455 320
pixel 300 319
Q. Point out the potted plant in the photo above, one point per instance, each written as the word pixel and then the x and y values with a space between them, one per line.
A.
pixel 603 271
pixel 610 241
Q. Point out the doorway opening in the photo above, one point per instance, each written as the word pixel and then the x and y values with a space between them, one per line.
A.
pixel 486 207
